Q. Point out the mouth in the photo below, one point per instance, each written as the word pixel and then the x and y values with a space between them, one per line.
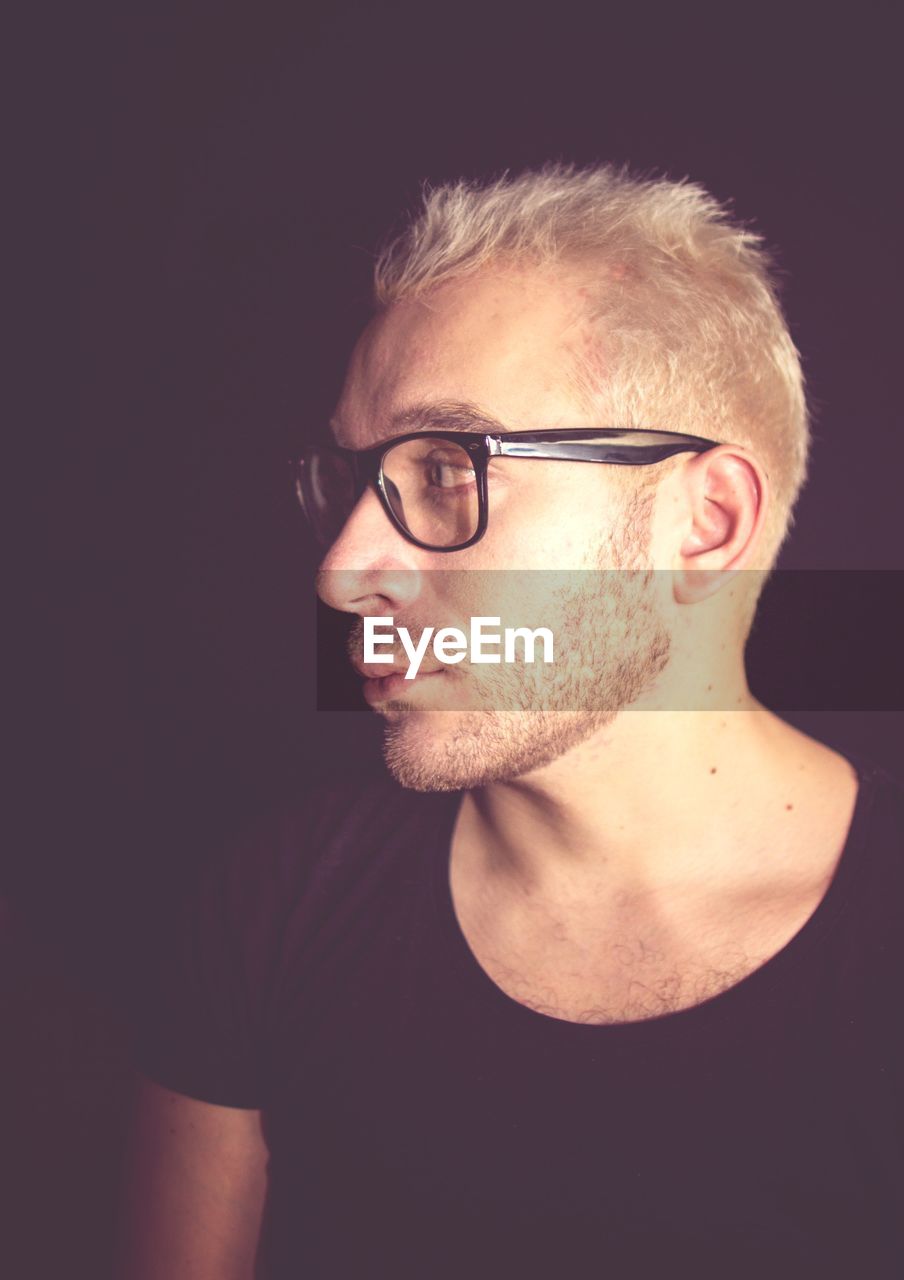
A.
pixel 378 689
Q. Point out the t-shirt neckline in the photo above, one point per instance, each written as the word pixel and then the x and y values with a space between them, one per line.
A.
pixel 476 983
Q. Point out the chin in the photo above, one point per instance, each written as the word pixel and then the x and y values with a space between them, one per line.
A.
pixel 460 751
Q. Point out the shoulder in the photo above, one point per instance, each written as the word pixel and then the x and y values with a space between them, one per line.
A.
pixel 315 833
pixel 212 955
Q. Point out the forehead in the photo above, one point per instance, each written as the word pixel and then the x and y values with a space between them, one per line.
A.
pixel 505 342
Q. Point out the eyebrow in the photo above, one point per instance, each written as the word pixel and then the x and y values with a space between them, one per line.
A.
pixel 438 415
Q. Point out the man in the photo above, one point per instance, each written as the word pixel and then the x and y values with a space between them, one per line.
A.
pixel 605 978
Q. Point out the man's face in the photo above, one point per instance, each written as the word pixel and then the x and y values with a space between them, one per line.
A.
pixel 505 344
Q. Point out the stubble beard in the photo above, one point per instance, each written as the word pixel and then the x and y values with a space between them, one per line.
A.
pixel 618 645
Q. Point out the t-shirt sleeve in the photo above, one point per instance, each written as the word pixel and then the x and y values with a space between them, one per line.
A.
pixel 199 1023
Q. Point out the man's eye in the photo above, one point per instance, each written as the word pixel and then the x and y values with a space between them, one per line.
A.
pixel 446 475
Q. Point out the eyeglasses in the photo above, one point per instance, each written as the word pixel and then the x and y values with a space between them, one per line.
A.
pixel 433 486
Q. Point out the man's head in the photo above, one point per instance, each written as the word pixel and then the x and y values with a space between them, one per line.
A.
pixel 569 299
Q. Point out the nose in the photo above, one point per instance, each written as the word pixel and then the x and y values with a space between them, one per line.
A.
pixel 371 569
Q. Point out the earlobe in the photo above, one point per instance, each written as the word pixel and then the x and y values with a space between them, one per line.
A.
pixel 693 585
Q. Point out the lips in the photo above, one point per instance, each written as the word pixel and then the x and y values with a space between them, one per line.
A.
pixel 385 679
pixel 394 685
pixel 385 670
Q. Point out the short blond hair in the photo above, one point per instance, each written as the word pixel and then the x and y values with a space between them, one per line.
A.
pixel 692 335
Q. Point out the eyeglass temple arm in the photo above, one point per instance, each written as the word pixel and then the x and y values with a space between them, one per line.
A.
pixel 625 451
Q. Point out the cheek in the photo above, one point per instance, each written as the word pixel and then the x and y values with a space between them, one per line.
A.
pixel 572 532
pixel 560 523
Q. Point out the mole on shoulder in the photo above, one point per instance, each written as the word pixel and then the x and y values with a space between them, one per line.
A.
pixel 789 806
pixel 713 769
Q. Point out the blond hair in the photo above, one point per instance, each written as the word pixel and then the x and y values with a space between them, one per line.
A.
pixel 691 333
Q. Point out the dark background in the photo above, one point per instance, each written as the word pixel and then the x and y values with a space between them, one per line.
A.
pixel 227 171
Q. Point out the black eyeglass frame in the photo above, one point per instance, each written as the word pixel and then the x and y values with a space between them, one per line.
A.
pixel 613 445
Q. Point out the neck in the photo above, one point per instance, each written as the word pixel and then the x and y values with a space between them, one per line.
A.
pixel 655 797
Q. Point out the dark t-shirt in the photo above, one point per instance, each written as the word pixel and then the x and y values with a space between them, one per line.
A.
pixel 422 1123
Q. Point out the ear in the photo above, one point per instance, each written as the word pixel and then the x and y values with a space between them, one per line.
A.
pixel 727 494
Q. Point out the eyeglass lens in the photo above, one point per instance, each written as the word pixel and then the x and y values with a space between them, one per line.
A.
pixel 432 489
pixel 429 483
pixel 328 491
